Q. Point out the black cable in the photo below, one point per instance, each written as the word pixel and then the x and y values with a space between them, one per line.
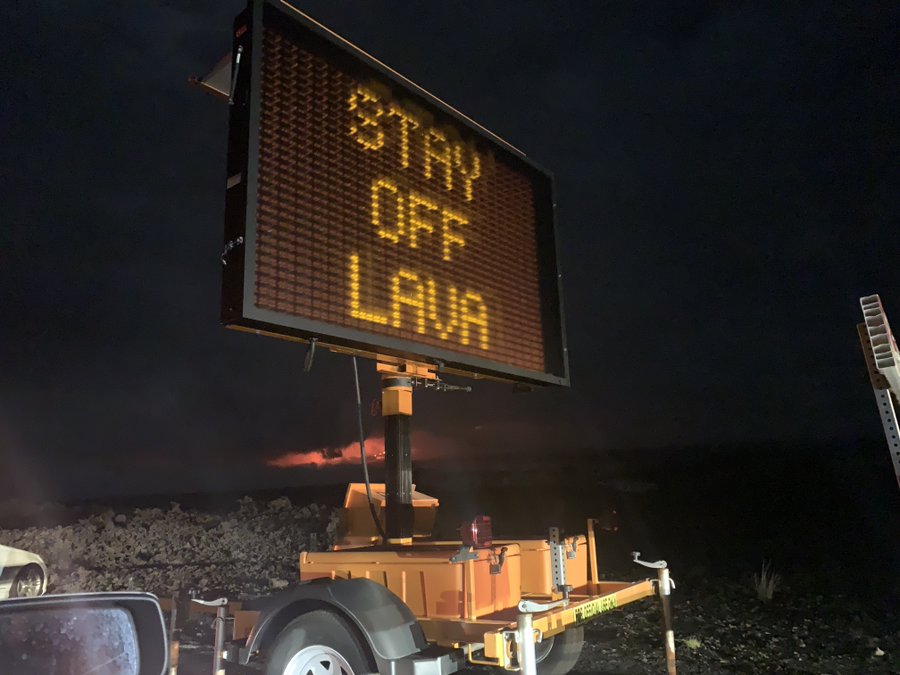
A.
pixel 310 355
pixel 362 452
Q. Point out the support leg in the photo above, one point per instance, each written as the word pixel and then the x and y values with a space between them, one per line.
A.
pixel 665 597
pixel 525 645
pixel 593 573
pixel 218 666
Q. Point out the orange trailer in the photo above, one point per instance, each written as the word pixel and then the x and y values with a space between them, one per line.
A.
pixel 419 605
pixel 367 216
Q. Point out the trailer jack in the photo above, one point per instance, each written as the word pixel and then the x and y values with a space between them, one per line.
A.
pixel 525 634
pixel 221 605
pixel 666 584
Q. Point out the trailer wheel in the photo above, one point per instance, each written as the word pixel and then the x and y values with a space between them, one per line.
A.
pixel 557 655
pixel 317 643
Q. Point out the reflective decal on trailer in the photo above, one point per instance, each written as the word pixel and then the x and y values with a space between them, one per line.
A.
pixel 596 607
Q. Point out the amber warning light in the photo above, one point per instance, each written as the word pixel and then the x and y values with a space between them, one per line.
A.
pixel 366 213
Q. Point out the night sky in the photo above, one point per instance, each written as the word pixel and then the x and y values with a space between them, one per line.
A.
pixel 726 178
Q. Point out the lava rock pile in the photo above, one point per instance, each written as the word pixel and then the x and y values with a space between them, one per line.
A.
pixel 248 551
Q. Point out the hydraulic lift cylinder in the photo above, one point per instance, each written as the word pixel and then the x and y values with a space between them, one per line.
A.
pixel 396 406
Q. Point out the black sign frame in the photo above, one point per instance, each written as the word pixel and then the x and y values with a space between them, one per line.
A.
pixel 239 310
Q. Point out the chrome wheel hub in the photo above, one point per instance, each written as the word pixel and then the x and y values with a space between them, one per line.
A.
pixel 542 649
pixel 317 660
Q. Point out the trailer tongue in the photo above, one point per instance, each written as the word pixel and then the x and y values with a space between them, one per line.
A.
pixel 368 217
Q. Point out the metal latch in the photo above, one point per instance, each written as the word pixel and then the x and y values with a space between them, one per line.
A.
pixel 498 560
pixel 464 554
pixel 572 553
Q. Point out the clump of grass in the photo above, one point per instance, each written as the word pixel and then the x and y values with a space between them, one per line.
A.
pixel 692 643
pixel 766 582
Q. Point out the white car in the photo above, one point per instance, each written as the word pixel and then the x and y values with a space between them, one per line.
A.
pixel 22 574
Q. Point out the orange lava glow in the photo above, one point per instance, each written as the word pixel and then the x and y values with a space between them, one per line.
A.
pixel 425 446
pixel 349 454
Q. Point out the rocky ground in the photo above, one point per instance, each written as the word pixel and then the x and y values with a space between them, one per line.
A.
pixel 244 552
pixel 722 627
pixel 251 549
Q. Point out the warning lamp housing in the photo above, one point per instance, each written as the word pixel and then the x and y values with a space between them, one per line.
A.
pixel 477 532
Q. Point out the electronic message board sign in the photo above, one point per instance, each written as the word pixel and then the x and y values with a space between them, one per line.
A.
pixel 366 213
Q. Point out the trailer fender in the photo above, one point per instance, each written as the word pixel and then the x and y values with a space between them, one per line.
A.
pixel 384 622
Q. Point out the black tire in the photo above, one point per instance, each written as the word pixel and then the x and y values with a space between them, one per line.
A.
pixel 561 655
pixel 31 576
pixel 322 629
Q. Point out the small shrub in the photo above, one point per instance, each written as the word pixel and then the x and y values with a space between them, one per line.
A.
pixel 692 643
pixel 766 582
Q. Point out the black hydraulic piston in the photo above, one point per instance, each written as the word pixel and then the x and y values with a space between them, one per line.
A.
pixel 397 410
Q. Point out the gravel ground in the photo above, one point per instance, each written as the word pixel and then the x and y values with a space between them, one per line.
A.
pixel 721 626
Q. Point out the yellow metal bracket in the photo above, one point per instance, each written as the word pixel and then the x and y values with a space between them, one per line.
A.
pixel 388 366
pixel 398 378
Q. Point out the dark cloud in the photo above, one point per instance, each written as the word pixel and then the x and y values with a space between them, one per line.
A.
pixel 724 191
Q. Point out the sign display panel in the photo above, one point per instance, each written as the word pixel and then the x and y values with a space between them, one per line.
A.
pixel 364 212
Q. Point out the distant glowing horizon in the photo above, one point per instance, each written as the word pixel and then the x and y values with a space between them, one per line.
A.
pixel 348 454
pixel 425 446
